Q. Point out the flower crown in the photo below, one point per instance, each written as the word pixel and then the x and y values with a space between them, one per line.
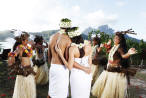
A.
pixel 81 45
pixel 73 32
pixel 65 23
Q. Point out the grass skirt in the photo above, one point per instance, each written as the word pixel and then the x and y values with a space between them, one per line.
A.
pixel 110 85
pixel 96 71
pixel 25 87
pixel 41 76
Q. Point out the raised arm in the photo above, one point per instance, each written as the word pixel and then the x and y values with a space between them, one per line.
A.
pixel 130 52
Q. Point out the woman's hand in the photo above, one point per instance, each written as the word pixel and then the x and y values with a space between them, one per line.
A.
pixel 101 45
pixel 132 51
pixel 87 70
pixel 58 50
pixel 109 42
pixel 11 60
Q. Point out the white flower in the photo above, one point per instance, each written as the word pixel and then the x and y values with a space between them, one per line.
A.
pixel 73 34
pixel 93 35
pixel 65 24
pixel 73 44
pixel 86 42
pixel 99 35
pixel 62 31
pixel 81 45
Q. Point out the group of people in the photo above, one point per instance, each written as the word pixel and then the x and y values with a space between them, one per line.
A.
pixel 73 64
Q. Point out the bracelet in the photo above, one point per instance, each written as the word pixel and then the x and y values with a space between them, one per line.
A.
pixel 12 54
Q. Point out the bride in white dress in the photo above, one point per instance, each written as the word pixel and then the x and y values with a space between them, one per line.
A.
pixel 80 80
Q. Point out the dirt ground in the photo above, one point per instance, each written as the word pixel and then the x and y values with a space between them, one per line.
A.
pixel 137 89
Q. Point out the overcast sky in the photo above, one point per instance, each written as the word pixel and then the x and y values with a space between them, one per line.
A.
pixel 40 15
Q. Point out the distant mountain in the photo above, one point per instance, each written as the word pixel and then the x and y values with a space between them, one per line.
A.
pixel 87 30
pixel 46 34
pixel 9 34
pixel 106 29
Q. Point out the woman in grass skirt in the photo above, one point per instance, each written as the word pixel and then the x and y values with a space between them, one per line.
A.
pixel 39 61
pixel 25 86
pixel 96 68
pixel 112 83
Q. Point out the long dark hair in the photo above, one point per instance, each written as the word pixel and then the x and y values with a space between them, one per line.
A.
pixel 17 43
pixel 123 46
pixel 38 39
pixel 97 40
pixel 78 40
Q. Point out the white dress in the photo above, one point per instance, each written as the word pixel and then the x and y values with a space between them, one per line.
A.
pixel 80 81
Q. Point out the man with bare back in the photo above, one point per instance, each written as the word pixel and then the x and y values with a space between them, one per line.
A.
pixel 59 74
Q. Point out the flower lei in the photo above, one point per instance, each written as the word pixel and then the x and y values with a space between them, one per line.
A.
pixel 112 52
pixel 81 45
pixel 12 54
pixel 29 53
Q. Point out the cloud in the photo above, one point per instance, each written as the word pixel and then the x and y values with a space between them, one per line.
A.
pixel 76 8
pixel 120 3
pixel 31 15
pixel 39 15
pixel 99 17
pixel 143 14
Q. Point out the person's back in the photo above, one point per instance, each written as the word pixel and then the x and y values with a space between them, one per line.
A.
pixel 85 59
pixel 79 80
pixel 63 41
pixel 58 74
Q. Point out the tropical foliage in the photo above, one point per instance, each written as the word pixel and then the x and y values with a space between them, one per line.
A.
pixel 138 45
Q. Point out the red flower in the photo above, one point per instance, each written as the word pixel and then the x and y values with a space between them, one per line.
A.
pixel 8 78
pixel 3 95
pixel 140 97
pixel 137 87
pixel 13 78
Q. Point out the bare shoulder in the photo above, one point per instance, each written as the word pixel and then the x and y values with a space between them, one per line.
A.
pixel 64 40
pixel 72 49
pixel 54 36
pixel 65 37
pixel 88 49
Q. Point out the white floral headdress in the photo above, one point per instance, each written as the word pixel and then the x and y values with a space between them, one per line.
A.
pixel 81 45
pixel 65 23
pixel 95 35
pixel 74 34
